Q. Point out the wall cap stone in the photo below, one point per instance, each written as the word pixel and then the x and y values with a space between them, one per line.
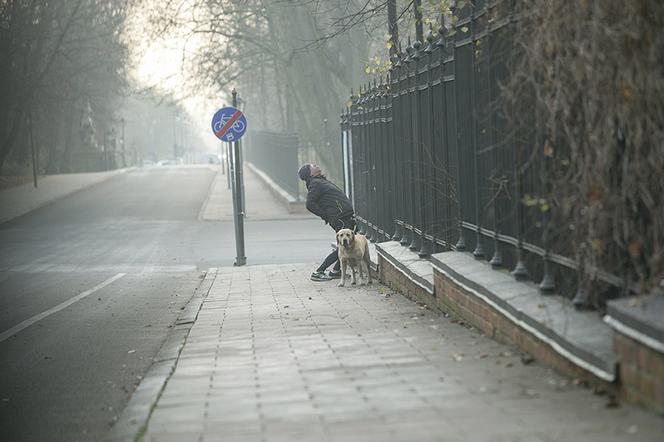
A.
pixel 417 269
pixel 641 318
pixel 579 336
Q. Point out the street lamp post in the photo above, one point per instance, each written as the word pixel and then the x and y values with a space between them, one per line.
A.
pixel 176 121
pixel 124 152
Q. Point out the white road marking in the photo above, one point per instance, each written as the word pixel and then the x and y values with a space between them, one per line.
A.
pixel 102 268
pixel 28 322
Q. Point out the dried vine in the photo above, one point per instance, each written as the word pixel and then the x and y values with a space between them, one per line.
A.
pixel 594 72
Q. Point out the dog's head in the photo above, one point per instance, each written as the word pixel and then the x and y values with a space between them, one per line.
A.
pixel 345 237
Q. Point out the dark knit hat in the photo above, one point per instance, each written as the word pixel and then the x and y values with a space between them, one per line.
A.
pixel 305 172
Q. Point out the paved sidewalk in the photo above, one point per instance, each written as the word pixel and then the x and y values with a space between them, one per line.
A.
pixel 20 200
pixel 273 356
pixel 260 204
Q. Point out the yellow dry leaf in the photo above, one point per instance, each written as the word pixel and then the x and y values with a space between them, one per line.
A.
pixel 548 149
pixel 597 245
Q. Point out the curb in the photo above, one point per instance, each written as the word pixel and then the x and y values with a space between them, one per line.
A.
pixel 204 206
pixel 133 421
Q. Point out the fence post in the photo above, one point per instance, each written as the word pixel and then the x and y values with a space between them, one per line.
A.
pixel 426 157
pixel 354 143
pixel 461 241
pixel 442 185
pixel 371 162
pixel 478 253
pixel 497 258
pixel 365 157
pixel 396 136
pixel 383 154
pixel 361 158
pixel 520 271
pixel 548 283
pixel 407 181
pixel 416 163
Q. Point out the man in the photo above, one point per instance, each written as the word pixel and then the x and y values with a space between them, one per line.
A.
pixel 327 201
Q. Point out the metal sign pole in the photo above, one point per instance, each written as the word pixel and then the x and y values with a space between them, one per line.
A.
pixel 229 164
pixel 241 161
pixel 229 125
pixel 238 199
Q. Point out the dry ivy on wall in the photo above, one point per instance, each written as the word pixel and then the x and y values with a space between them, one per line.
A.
pixel 594 72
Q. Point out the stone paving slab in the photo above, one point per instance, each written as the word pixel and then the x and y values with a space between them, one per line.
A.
pixel 273 356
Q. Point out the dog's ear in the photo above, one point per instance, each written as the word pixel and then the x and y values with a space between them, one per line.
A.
pixel 337 236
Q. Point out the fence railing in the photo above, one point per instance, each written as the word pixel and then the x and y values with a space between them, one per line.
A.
pixel 432 163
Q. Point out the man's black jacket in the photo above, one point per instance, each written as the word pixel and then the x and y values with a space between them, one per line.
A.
pixel 327 200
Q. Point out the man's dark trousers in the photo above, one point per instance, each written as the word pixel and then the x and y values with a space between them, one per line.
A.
pixel 347 222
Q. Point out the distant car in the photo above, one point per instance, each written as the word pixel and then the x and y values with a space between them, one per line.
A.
pixel 208 158
pixel 166 163
pixel 148 163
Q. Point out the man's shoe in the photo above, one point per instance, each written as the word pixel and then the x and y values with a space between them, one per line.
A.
pixel 334 275
pixel 320 276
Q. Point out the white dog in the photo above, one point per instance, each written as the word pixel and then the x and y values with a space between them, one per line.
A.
pixel 354 251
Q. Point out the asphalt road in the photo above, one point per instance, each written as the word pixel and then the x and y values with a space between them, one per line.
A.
pixel 90 286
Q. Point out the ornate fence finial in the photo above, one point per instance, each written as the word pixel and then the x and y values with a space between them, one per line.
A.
pixel 417 46
pixel 409 52
pixel 429 46
pixel 442 32
pixel 396 59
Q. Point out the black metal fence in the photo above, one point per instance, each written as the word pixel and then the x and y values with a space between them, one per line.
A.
pixel 433 164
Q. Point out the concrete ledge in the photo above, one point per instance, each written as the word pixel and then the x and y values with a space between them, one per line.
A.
pixel 581 338
pixel 641 318
pixel 416 269
pixel 290 201
pixel 638 325
pixel 373 254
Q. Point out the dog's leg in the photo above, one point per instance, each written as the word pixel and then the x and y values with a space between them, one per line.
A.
pixel 343 273
pixel 367 263
pixel 362 266
pixel 352 269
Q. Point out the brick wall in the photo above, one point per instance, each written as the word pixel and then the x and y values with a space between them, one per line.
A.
pixel 396 280
pixel 641 372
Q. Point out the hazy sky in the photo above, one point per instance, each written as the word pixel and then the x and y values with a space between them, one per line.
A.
pixel 160 63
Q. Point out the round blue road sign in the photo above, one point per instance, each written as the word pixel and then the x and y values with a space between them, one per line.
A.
pixel 229 124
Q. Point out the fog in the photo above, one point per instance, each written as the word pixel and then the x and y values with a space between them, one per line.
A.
pixel 90 85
